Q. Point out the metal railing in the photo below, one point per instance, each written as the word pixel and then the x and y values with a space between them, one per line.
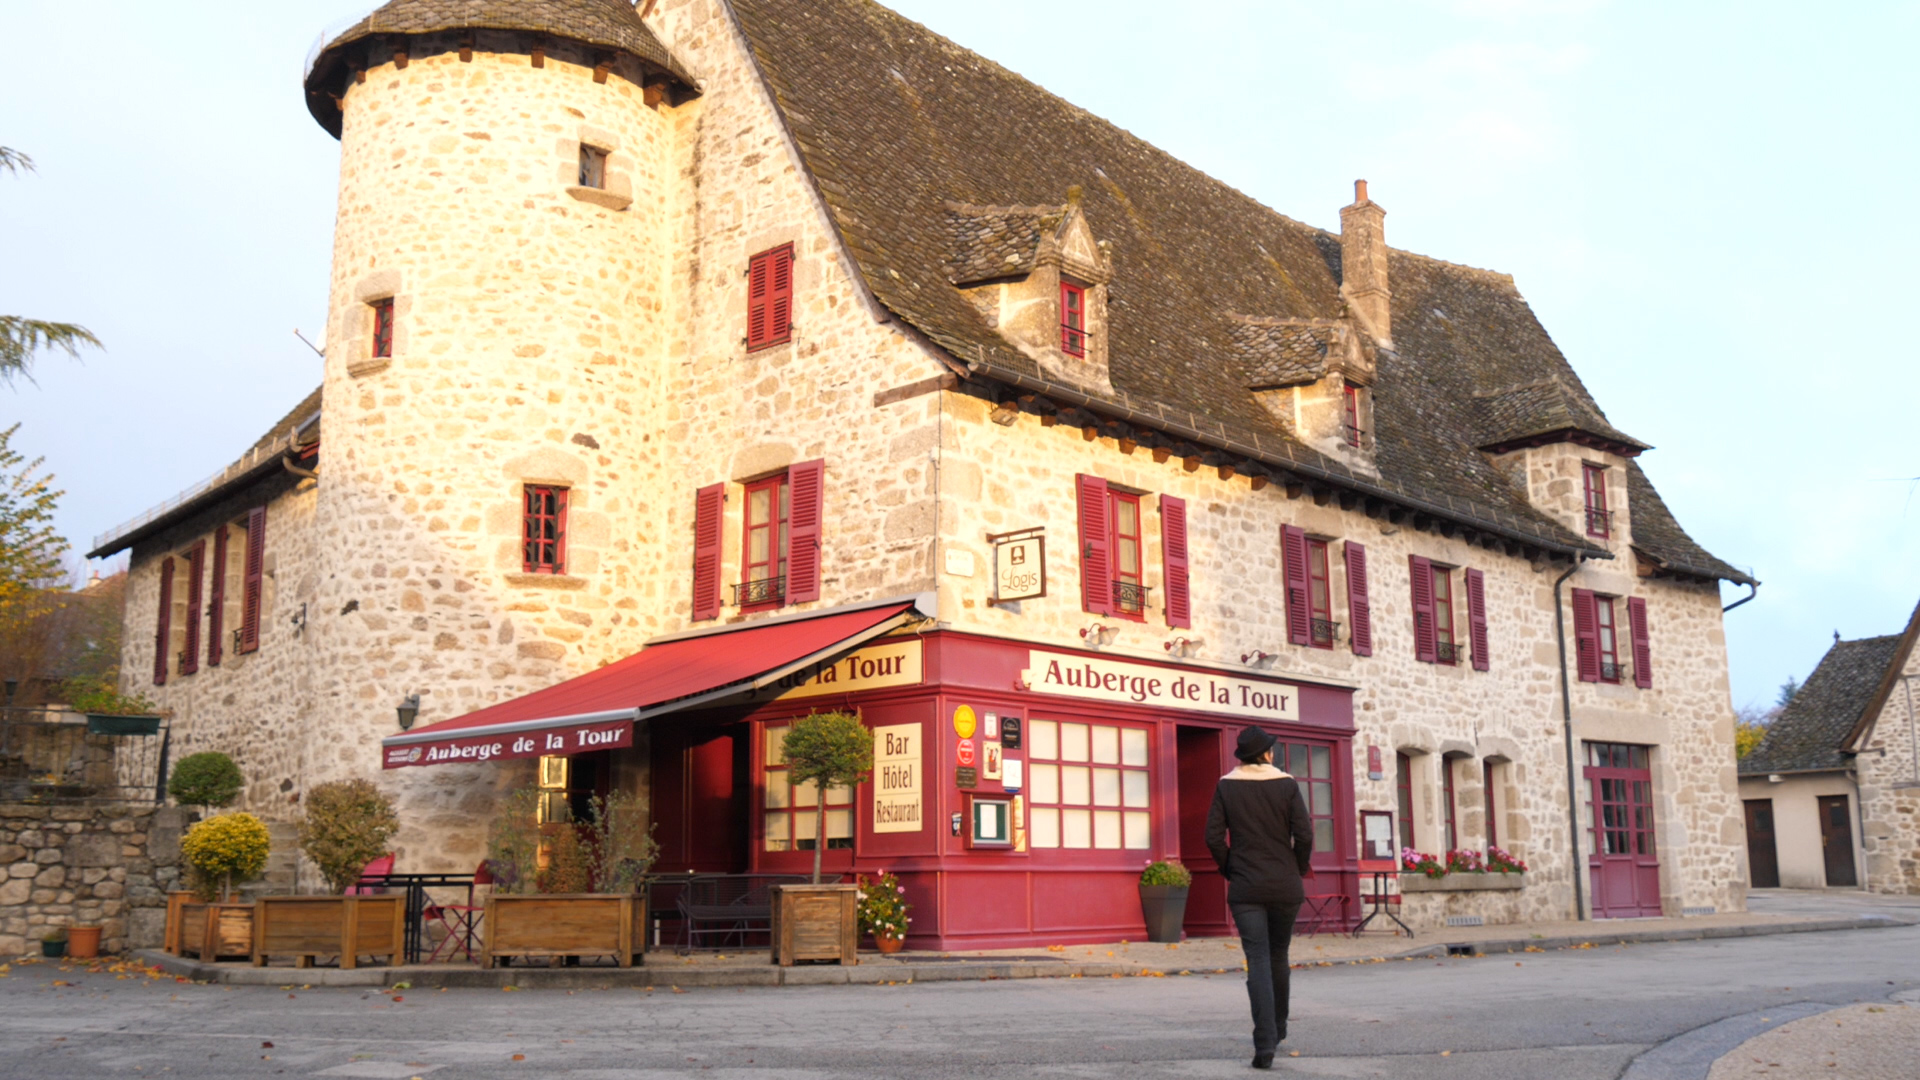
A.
pixel 770 590
pixel 1449 652
pixel 1325 631
pixel 54 755
pixel 1130 597
pixel 1613 672
pixel 1599 522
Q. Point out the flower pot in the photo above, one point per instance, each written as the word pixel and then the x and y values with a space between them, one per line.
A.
pixel 1165 908
pixel 53 950
pixel 83 942
pixel 309 927
pixel 889 944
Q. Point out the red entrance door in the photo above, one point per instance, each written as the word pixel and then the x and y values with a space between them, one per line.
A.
pixel 1623 866
pixel 1201 764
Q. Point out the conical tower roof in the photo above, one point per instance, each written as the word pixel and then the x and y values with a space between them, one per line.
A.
pixel 606 24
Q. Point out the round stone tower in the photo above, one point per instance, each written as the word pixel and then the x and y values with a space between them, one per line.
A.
pixel 498 330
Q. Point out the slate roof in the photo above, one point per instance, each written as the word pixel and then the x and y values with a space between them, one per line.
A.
pixel 609 24
pixel 1512 415
pixel 988 242
pixel 1809 733
pixel 895 124
pixel 1276 353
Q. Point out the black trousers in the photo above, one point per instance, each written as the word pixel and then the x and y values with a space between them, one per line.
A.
pixel 1266 930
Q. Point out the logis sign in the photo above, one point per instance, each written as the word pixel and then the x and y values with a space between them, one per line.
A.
pixel 1140 684
pixel 1019 566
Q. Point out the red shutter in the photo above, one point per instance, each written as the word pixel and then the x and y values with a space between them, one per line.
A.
pixel 709 507
pixel 807 488
pixel 1642 643
pixel 1173 547
pixel 1425 639
pixel 196 569
pixel 560 530
pixel 1360 634
pixel 163 628
pixel 1096 540
pixel 1293 556
pixel 770 297
pixel 1477 618
pixel 217 599
pixel 255 577
pixel 1586 636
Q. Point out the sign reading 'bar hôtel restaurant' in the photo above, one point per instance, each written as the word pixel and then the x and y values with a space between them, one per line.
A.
pixel 555 741
pixel 1142 684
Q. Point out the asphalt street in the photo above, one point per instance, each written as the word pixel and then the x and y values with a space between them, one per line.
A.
pixel 1649 1012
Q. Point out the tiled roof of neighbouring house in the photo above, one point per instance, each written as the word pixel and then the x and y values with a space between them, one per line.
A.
pixel 1279 352
pixel 1810 731
pixel 897 124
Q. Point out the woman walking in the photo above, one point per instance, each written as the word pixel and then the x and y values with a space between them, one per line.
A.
pixel 1262 838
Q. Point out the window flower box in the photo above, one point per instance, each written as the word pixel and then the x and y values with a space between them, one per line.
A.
pixel 1462 882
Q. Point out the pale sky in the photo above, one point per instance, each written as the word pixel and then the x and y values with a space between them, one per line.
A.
pixel 1708 205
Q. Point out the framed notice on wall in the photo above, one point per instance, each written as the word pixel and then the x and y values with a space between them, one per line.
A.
pixel 897 794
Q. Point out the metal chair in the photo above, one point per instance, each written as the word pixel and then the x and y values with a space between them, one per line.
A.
pixel 460 921
pixel 372 877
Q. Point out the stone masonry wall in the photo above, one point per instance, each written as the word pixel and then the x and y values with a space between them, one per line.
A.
pixel 86 866
pixel 1888 767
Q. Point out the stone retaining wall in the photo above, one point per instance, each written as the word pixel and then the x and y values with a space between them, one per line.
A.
pixel 109 866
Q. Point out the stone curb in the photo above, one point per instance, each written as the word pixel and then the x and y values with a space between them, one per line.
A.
pixel 983 970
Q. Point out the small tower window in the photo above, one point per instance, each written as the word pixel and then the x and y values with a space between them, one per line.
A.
pixel 1350 416
pixel 1073 319
pixel 383 327
pixel 593 167
pixel 543 530
pixel 1599 521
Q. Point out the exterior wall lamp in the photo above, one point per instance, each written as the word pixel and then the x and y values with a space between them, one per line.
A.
pixel 409 709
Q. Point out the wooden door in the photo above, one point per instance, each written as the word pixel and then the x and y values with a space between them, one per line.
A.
pixel 1623 866
pixel 699 797
pixel 1763 859
pixel 1836 841
pixel 1200 766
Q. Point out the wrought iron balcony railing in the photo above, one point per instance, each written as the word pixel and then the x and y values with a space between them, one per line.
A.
pixel 1599 522
pixel 1613 672
pixel 1130 597
pixel 1325 631
pixel 1449 652
pixel 770 590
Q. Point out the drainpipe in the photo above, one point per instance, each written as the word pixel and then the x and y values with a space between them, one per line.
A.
pixel 1753 590
pixel 1566 723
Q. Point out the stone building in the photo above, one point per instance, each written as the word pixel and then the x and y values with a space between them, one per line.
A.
pixel 696 365
pixel 1832 794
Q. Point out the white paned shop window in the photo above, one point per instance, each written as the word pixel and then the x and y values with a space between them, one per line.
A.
pixel 1088 787
pixel 792 810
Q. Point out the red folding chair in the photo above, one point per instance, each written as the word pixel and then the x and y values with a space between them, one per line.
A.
pixel 460 921
pixel 372 877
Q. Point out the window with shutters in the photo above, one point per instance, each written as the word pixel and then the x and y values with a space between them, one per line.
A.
pixel 1359 609
pixel 1642 642
pixel 709 507
pixel 593 167
pixel 1129 592
pixel 253 582
pixel 1088 787
pixel 1599 520
pixel 1073 318
pixel 1175 562
pixel 763 572
pixel 543 529
pixel 1111 549
pixel 1446 650
pixel 1320 594
pixel 1605 639
pixel 1477 640
pixel 190 611
pixel 770 298
pixel 383 327
pixel 1403 796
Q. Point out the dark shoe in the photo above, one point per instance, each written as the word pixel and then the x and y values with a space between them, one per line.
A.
pixel 1263 1060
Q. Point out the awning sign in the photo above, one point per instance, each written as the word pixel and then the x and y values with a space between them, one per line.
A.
pixel 896 778
pixel 1166 688
pixel 555 741
pixel 885 663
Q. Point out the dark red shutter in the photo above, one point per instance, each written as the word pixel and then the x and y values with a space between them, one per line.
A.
pixel 217 599
pixel 1477 618
pixel 1359 613
pixel 1642 643
pixel 1096 540
pixel 255 578
pixel 196 570
pixel 1293 556
pixel 759 282
pixel 163 627
pixel 1425 637
pixel 709 507
pixel 1173 548
pixel 806 483
pixel 559 531
pixel 770 297
pixel 1586 636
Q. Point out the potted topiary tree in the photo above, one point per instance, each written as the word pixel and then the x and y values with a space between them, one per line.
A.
pixel 820 922
pixel 1163 899
pixel 346 825
pixel 209 780
pixel 218 852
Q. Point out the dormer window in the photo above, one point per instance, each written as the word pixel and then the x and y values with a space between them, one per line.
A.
pixel 1599 521
pixel 1351 414
pixel 1073 318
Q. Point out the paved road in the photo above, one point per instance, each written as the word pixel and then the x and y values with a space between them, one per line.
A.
pixel 1652 1012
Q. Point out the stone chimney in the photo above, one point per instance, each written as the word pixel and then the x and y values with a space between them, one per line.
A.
pixel 1363 264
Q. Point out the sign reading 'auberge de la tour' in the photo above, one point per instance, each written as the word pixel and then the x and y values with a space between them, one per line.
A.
pixel 1142 684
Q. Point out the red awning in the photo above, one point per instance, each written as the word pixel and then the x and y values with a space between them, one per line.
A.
pixel 596 711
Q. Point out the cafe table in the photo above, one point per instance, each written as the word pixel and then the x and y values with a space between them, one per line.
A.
pixel 416 886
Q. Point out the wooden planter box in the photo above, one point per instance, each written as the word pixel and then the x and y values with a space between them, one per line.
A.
pixel 815 922
pixel 176 900
pixel 1461 882
pixel 566 924
pixel 213 931
pixel 305 927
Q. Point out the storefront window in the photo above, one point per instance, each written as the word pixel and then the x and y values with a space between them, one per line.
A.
pixel 792 810
pixel 1087 786
pixel 1312 767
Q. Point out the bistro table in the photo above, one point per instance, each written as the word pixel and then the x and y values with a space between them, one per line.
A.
pixel 417 886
